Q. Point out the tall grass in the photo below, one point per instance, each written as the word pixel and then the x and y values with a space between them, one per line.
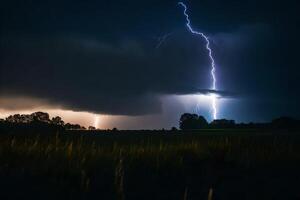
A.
pixel 113 165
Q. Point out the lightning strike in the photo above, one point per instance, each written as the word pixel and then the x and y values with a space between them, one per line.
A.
pixel 96 121
pixel 213 66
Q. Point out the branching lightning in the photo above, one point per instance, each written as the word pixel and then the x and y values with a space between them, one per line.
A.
pixel 213 67
pixel 162 39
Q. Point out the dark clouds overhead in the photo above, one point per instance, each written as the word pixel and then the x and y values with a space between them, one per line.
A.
pixel 92 75
pixel 101 56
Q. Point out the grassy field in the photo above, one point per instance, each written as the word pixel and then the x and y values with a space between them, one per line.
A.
pixel 214 164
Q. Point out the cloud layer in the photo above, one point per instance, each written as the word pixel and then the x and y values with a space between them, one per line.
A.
pixel 83 74
pixel 103 57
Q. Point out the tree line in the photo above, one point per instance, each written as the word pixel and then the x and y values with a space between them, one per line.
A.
pixel 41 122
pixel 190 121
pixel 37 121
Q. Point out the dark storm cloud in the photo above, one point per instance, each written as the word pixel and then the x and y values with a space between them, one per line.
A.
pixel 101 56
pixel 91 75
pixel 259 58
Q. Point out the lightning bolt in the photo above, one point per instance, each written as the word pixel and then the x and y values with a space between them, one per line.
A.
pixel 96 121
pixel 213 66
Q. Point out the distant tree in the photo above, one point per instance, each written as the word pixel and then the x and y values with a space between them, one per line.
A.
pixel 37 117
pixel 174 128
pixel 202 122
pixel 222 123
pixel 13 118
pixel 57 121
pixel 69 126
pixel 285 122
pixel 192 121
pixel 92 128
pixel 114 129
pixel 35 122
pixel 41 117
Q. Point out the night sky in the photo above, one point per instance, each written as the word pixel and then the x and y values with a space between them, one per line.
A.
pixel 135 65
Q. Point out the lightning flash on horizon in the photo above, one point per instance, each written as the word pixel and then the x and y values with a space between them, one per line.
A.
pixel 213 66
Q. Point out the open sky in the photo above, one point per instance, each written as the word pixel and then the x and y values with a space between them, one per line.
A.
pixel 134 65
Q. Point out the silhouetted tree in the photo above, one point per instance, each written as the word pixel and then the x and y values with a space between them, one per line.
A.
pixel 222 123
pixel 192 121
pixel 174 128
pixel 41 117
pixel 57 121
pixel 69 126
pixel 92 128
pixel 285 123
pixel 37 122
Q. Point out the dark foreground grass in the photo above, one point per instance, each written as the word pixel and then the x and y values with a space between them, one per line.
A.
pixel 152 165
